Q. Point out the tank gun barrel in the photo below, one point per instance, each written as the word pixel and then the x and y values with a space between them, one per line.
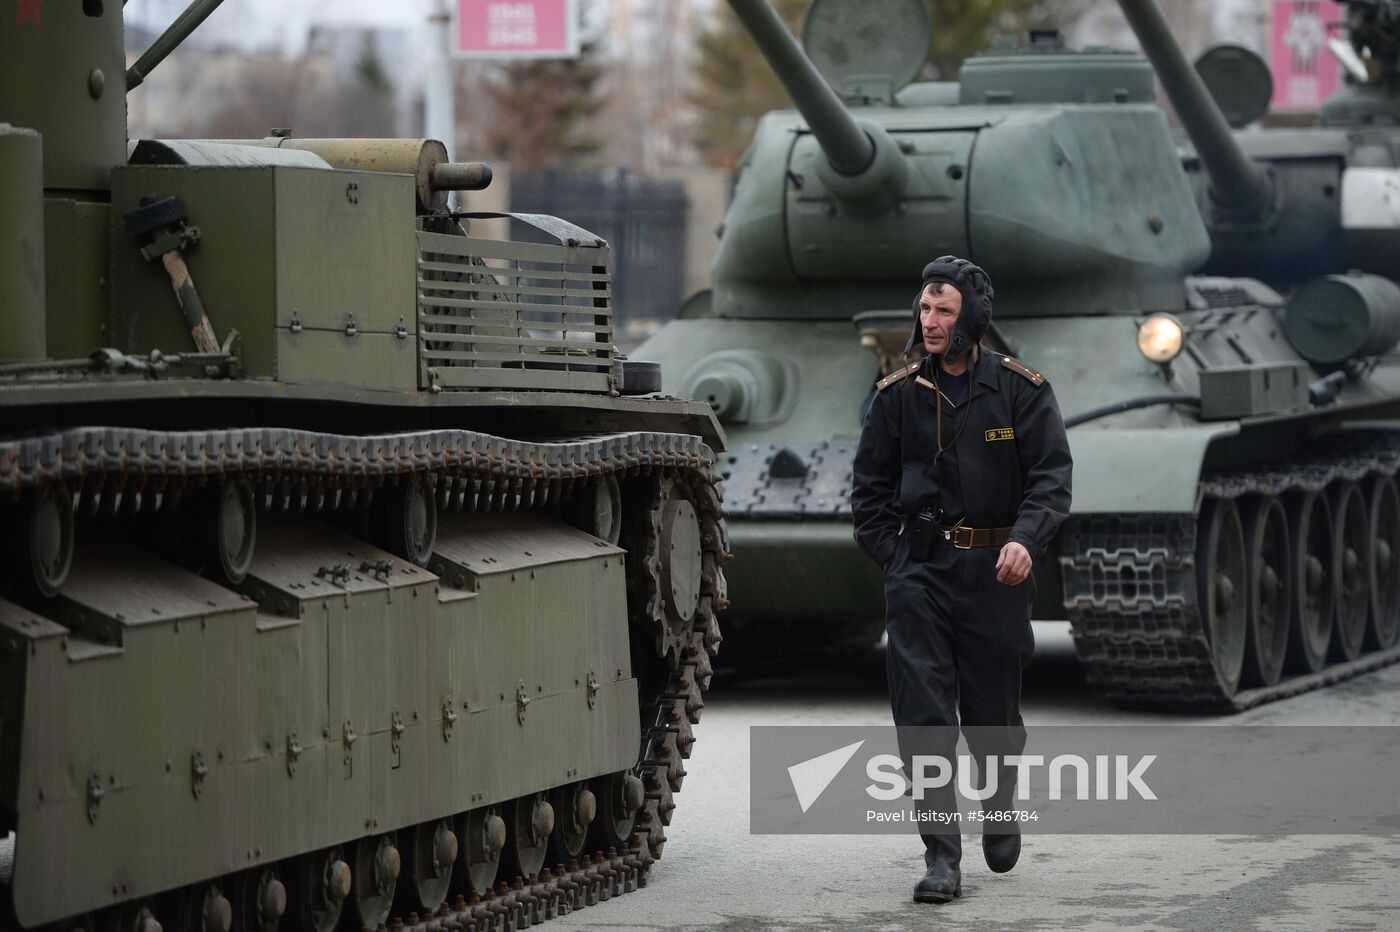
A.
pixel 847 146
pixel 178 31
pixel 1236 181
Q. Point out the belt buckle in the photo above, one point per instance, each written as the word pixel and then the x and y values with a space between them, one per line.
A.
pixel 963 533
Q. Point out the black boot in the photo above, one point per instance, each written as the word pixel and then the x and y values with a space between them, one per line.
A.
pixel 1002 850
pixel 943 881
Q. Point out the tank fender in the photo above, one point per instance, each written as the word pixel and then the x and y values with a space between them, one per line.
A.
pixel 1152 470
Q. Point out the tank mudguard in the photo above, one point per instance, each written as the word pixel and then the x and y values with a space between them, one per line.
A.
pixel 1151 470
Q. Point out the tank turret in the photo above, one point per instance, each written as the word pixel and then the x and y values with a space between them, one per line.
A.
pixel 1077 202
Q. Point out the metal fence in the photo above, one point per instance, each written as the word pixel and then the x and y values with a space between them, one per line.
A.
pixel 643 220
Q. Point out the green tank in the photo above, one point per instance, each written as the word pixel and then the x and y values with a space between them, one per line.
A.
pixel 348 580
pixel 1234 528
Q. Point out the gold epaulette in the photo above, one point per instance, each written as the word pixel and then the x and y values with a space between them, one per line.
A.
pixel 1021 369
pixel 897 375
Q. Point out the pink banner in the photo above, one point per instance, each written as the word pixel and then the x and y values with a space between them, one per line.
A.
pixel 1305 71
pixel 517 29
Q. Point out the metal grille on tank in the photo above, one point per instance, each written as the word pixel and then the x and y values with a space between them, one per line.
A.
pixel 496 314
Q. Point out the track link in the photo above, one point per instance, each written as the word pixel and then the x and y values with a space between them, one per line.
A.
pixel 1130 587
pixel 125 470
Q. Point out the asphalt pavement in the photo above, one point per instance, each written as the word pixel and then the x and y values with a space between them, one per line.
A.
pixel 716 875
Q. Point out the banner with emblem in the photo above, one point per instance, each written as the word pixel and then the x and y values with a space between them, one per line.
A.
pixel 1305 72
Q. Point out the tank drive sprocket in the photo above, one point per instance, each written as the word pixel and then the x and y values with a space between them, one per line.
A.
pixel 680 531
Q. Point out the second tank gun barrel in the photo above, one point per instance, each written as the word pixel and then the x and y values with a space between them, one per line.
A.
pixel 849 149
pixel 1236 181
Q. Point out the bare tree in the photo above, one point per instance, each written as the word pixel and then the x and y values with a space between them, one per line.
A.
pixel 543 111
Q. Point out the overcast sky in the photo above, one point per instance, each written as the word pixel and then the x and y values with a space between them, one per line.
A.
pixel 284 22
pixel 278 22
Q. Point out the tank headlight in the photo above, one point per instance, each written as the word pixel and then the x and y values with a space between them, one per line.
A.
pixel 1160 338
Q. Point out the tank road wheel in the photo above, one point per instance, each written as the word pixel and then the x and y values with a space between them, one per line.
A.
pixel 1270 591
pixel 1351 557
pixel 410 515
pixel 483 833
pixel 50 538
pixel 229 530
pixel 619 796
pixel 1314 603
pixel 136 916
pixel 1222 588
pixel 377 868
pixel 259 900
pixel 317 890
pixel 1385 564
pixel 531 820
pixel 200 908
pixel 428 862
pixel 575 808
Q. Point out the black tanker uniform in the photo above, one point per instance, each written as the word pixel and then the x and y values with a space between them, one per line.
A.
pixel 947 471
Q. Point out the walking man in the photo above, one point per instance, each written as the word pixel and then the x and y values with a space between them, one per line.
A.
pixel 961 480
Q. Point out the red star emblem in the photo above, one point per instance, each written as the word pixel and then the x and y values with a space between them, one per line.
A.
pixel 27 10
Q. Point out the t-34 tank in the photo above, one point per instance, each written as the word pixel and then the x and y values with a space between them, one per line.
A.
pixel 1235 529
pixel 346 581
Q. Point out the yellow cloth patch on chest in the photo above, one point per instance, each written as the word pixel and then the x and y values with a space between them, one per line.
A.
pixel 1001 433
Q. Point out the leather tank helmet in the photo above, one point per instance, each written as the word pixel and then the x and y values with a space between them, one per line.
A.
pixel 975 286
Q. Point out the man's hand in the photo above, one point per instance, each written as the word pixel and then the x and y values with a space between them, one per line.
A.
pixel 1013 564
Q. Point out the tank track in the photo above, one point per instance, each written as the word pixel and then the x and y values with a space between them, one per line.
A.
pixel 1130 588
pixel 126 470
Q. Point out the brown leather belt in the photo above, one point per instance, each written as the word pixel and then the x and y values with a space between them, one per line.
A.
pixel 965 538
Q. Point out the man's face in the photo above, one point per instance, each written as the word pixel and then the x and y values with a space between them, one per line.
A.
pixel 939 307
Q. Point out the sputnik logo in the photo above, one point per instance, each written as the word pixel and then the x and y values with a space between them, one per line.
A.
pixel 27 10
pixel 811 777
